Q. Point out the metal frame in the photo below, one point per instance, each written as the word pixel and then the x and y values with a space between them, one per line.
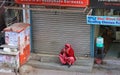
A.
pixel 44 9
pixel 92 48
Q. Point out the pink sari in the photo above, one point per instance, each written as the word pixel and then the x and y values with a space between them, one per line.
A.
pixel 67 56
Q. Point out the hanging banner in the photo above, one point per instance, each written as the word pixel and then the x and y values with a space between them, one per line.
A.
pixel 103 20
pixel 115 4
pixel 70 3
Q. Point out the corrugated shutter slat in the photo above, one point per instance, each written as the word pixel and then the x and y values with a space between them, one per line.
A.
pixel 51 30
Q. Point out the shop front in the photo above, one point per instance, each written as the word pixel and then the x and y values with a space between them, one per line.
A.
pixel 53 29
pixel 57 23
pixel 106 23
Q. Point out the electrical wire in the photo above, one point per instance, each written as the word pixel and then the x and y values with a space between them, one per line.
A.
pixel 7 3
pixel 3 2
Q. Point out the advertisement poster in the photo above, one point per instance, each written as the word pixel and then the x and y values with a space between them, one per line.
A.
pixel 103 20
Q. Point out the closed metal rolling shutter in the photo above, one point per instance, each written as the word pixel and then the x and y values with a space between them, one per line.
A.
pixel 51 30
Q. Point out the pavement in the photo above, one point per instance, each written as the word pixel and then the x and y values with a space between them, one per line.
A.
pixel 96 71
pixel 28 70
pixel 1 73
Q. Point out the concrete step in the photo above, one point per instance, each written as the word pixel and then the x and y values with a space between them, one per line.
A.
pixel 112 62
pixel 45 61
pixel 84 61
pixel 109 64
pixel 58 66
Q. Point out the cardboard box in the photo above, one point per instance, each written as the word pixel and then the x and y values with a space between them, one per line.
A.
pixel 18 34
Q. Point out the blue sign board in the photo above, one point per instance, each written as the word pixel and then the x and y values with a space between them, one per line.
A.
pixel 103 20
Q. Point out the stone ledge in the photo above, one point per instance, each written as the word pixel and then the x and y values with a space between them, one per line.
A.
pixel 56 66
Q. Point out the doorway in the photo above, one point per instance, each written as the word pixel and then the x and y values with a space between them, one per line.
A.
pixel 111 35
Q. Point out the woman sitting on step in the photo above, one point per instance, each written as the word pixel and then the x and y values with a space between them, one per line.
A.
pixel 67 56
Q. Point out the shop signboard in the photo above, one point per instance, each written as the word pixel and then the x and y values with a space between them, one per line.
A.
pixel 114 4
pixel 71 3
pixel 103 20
